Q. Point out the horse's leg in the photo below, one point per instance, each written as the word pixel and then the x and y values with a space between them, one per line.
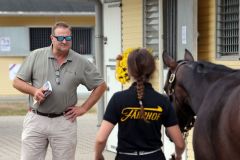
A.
pixel 202 145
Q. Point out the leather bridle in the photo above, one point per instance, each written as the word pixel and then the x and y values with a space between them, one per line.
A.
pixel 172 79
pixel 170 90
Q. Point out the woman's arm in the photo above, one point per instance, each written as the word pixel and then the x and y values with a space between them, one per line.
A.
pixel 177 138
pixel 101 139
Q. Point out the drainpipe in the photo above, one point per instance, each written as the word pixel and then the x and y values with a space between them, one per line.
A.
pixel 99 52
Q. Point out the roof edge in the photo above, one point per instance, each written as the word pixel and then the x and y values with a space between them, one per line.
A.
pixel 20 13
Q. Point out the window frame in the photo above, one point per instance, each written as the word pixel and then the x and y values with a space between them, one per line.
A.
pixel 219 43
pixel 151 39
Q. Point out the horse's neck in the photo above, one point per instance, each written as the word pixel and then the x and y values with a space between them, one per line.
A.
pixel 196 95
pixel 198 89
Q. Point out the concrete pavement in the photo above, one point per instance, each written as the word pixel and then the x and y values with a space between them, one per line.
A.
pixel 10 136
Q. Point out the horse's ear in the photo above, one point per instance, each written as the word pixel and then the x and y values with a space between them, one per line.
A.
pixel 188 55
pixel 168 60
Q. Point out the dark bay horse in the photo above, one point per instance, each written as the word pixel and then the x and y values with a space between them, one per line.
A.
pixel 208 94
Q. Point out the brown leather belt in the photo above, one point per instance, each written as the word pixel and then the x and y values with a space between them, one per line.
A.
pixel 49 115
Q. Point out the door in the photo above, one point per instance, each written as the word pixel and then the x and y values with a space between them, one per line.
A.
pixel 113 86
pixel 112 32
pixel 112 47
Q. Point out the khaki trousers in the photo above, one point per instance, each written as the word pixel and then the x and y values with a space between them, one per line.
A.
pixel 39 131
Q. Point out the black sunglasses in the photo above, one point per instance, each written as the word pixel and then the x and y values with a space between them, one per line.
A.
pixel 61 38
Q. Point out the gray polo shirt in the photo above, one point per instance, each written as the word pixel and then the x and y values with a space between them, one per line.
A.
pixel 41 66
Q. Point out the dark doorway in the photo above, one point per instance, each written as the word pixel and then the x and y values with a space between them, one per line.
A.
pixel 170 27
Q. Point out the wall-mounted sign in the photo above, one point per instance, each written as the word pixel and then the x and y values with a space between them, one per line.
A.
pixel 184 34
pixel 5 44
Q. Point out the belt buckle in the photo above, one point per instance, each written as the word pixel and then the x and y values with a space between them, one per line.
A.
pixel 140 153
pixel 49 115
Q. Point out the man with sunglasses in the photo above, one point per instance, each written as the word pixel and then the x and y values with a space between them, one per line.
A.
pixel 52 120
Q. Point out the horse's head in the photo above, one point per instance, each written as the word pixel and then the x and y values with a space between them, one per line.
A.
pixel 177 76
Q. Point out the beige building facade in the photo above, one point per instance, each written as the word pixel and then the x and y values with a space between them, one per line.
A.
pixel 143 24
pixel 6 61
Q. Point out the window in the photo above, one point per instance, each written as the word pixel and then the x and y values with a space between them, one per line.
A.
pixel 82 39
pixel 227 29
pixel 39 37
pixel 151 25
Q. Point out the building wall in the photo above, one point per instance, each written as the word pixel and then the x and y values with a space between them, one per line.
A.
pixel 207 34
pixel 132 31
pixel 6 84
pixel 206 29
pixel 6 88
pixel 46 20
pixel 132 23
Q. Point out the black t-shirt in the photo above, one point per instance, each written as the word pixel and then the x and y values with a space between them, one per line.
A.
pixel 134 134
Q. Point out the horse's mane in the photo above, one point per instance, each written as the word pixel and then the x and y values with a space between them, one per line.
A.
pixel 215 67
pixel 210 71
pixel 209 67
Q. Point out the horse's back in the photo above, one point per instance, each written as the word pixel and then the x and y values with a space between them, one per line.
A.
pixel 229 123
pixel 219 120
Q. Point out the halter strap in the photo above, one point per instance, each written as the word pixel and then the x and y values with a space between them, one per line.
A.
pixel 171 91
pixel 172 78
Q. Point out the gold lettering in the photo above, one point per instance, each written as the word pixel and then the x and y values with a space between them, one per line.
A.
pixel 148 115
pixel 155 116
pixel 158 116
pixel 138 115
pixel 127 115
pixel 134 113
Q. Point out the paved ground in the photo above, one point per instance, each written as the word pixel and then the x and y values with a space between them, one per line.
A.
pixel 11 128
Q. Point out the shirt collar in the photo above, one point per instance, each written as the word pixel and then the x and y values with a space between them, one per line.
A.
pixel 68 58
